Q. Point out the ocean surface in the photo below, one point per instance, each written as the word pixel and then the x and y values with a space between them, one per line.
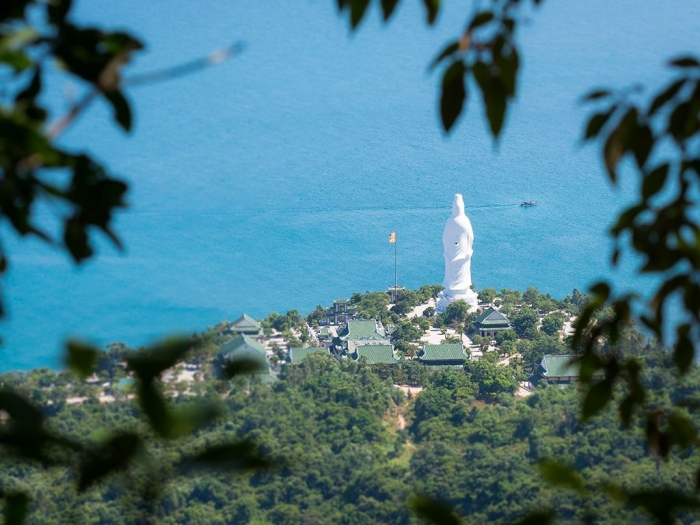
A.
pixel 272 181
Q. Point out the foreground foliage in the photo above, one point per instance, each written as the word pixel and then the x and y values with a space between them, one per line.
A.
pixel 348 447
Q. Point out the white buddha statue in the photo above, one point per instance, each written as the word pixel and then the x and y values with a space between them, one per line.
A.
pixel 457 240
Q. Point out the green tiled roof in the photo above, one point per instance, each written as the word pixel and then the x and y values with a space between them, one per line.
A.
pixel 446 352
pixel 241 340
pixel 376 354
pixel 297 355
pixel 354 344
pixel 243 347
pixel 245 324
pixel 492 317
pixel 559 366
pixel 361 329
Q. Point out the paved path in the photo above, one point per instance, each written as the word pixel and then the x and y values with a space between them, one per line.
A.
pixel 523 392
pixel 418 310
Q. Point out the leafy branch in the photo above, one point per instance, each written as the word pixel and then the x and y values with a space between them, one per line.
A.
pixel 484 55
pixel 26 433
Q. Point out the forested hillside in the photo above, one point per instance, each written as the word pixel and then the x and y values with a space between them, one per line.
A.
pixel 350 448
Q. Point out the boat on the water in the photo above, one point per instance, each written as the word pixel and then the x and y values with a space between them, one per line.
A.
pixel 528 203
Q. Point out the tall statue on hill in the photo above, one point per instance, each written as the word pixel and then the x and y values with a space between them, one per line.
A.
pixel 457 240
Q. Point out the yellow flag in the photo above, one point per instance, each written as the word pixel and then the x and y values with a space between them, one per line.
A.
pixel 392 238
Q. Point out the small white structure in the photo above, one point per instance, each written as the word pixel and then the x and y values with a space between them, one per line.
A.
pixel 457 240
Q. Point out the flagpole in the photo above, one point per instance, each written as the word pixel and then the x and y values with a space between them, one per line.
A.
pixel 395 279
pixel 392 240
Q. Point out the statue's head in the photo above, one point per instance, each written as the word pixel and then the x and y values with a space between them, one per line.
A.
pixel 458 205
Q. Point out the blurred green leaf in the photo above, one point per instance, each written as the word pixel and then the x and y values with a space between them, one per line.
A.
pixel 662 503
pixel 81 358
pixel 537 518
pixel 15 59
pixel 58 10
pixel 25 415
pixel 432 7
pixel 122 111
pixel 683 122
pixel 358 8
pixel 75 238
pixel 388 7
pixel 169 423
pixel 494 95
pixel 561 476
pixel 612 153
pixel 508 65
pixel 150 363
pixel 16 507
pixel 239 367
pixel 480 19
pixel 433 511
pixel 589 364
pixel 681 431
pixel 684 351
pixel 453 94
pixel 242 455
pixel 190 418
pixel 626 410
pixel 597 95
pixel 657 441
pixel 447 51
pixel 33 88
pixel 685 62
pixel 113 455
pixel 666 95
pixel 654 181
pixel 601 290
pixel 642 144
pixel 595 400
pixel 155 408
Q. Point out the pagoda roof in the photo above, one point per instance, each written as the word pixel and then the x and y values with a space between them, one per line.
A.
pixel 354 344
pixel 245 323
pixel 362 329
pixel 376 354
pixel 243 347
pixel 492 317
pixel 443 352
pixel 297 355
pixel 559 366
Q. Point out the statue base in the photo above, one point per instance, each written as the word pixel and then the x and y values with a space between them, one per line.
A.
pixel 469 297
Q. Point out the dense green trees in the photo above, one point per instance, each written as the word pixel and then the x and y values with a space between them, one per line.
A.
pixel 283 323
pixel 490 379
pixel 454 315
pixel 525 322
pixel 553 323
pixel 348 447
pixel 405 333
pixel 316 316
pixel 487 295
pixel 372 305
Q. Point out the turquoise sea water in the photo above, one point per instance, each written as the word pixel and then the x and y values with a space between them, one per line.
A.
pixel 272 181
